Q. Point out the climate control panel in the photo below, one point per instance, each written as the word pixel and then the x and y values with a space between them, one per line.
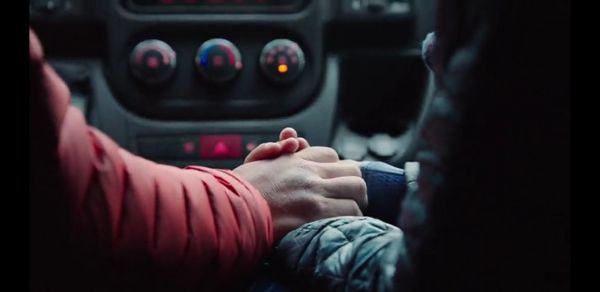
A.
pixel 217 60
pixel 219 66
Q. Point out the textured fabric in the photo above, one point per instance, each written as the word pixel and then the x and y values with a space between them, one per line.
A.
pixel 199 223
pixel 489 210
pixel 386 187
pixel 346 254
pixel 356 253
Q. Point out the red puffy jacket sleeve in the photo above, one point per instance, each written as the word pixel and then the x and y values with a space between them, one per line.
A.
pixel 193 220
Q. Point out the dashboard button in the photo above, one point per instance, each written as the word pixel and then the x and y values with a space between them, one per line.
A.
pixel 172 147
pixel 221 147
pixel 218 60
pixel 153 61
pixel 282 60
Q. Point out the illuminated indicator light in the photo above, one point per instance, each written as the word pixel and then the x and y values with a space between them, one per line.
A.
pixel 230 55
pixel 189 147
pixel 221 149
pixel 205 55
pixel 204 59
pixel 217 61
pixel 283 68
pixel 152 62
pixel 250 146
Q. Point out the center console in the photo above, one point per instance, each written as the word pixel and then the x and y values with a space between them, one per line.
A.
pixel 220 60
pixel 205 81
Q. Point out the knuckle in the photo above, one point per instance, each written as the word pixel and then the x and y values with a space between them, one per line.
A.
pixel 361 192
pixel 364 192
pixel 319 206
pixel 362 186
pixel 310 183
pixel 307 166
pixel 355 167
pixel 330 153
pixel 357 185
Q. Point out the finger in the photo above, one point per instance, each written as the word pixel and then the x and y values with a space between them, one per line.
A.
pixel 338 169
pixel 287 133
pixel 319 154
pixel 264 151
pixel 346 187
pixel 289 146
pixel 303 144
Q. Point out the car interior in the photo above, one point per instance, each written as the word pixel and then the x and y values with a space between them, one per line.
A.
pixel 204 82
pixel 331 69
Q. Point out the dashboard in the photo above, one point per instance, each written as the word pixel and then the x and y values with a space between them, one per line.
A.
pixel 205 81
pixel 212 6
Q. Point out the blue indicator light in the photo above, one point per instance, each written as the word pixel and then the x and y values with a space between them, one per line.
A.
pixel 204 56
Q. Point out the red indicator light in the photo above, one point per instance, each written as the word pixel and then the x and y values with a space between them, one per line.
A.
pixel 189 147
pixel 221 147
pixel 217 61
pixel 152 62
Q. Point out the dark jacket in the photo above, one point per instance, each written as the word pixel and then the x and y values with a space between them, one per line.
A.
pixel 489 210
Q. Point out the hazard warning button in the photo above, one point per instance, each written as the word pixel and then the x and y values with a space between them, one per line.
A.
pixel 221 147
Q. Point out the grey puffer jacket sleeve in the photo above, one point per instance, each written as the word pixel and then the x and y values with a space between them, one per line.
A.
pixel 347 254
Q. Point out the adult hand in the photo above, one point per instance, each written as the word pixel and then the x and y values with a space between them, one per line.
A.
pixel 306 186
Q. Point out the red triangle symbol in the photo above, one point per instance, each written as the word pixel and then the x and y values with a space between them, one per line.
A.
pixel 220 149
